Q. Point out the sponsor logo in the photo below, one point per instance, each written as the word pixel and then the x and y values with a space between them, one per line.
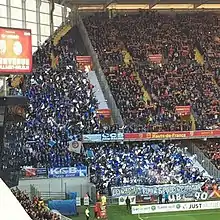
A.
pixel 195 206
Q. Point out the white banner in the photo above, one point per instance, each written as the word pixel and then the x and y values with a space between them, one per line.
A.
pixel 75 146
pixel 86 201
pixel 188 190
pixel 122 200
pixel 78 201
pixel 175 207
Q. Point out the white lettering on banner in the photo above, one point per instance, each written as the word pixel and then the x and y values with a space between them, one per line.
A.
pixel 63 170
pixel 175 207
pixel 86 201
pixel 122 200
pixel 78 201
pixel 112 136
pixel 187 190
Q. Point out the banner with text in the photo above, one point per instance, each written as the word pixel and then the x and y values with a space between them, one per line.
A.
pixel 188 190
pixel 155 58
pixel 15 50
pixel 183 110
pixel 172 135
pixel 175 207
pixel 85 63
pixel 105 137
pixel 79 171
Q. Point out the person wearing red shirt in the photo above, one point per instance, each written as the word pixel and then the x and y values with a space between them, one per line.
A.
pixel 96 211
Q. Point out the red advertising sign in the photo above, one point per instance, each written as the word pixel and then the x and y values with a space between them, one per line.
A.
pixel 85 62
pixel 156 58
pixel 15 51
pixel 104 112
pixel 172 135
pixel 183 110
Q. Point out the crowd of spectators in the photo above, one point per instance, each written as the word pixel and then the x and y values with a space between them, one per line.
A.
pixel 35 208
pixel 180 80
pixel 61 108
pixel 116 164
pixel 211 149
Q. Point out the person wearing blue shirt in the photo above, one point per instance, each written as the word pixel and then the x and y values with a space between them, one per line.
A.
pixel 166 197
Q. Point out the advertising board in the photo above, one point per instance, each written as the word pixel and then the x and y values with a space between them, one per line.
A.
pixel 85 62
pixel 169 135
pixel 104 137
pixel 15 51
pixel 183 110
pixel 122 200
pixel 175 207
pixel 79 171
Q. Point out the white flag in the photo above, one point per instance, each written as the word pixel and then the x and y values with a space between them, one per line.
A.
pixel 75 146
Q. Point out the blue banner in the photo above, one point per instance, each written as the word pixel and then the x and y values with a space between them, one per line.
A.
pixel 188 190
pixel 88 138
pixel 79 171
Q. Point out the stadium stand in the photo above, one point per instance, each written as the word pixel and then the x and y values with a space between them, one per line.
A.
pixel 8 200
pixel 212 150
pixel 62 99
pixel 35 208
pixel 180 80
pixel 115 164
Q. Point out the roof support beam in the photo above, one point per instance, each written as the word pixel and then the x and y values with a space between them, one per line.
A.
pixel 201 2
pixel 152 3
pixel 109 3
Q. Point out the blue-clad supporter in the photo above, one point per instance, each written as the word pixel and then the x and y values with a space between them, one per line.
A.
pixel 115 164
pixel 61 107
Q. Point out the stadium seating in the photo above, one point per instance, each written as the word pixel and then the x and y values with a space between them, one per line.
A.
pixel 212 150
pixel 62 107
pixel 114 164
pixel 35 208
pixel 181 80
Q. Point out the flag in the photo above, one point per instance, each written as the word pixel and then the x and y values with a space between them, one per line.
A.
pixel 75 146
pixel 90 153
pixel 51 143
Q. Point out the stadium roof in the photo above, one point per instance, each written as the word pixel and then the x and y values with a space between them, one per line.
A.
pixel 178 4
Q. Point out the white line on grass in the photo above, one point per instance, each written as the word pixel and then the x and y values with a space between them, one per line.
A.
pixel 139 217
pixel 176 215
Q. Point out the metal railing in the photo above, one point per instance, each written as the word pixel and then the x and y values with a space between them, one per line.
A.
pixel 204 161
pixel 99 73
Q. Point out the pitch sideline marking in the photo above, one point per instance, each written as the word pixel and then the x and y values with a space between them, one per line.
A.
pixel 139 217
pixel 176 215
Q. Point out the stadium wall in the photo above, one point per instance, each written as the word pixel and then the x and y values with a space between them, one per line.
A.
pixel 80 185
pixel 32 14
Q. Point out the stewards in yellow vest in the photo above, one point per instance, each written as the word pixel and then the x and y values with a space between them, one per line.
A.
pixel 87 213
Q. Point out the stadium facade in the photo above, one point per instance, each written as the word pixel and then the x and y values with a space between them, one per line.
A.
pixel 34 15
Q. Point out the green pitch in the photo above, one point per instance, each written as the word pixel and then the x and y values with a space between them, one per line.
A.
pixel 120 213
